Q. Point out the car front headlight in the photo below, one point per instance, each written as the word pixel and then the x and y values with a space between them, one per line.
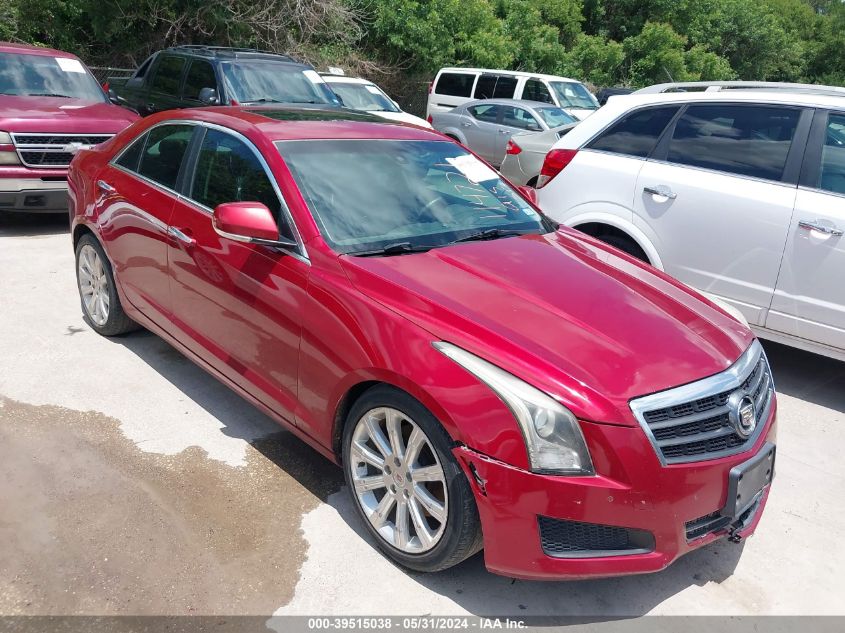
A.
pixel 8 155
pixel 552 434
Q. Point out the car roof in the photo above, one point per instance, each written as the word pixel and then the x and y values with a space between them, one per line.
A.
pixel 736 96
pixel 525 103
pixel 284 123
pixel 231 53
pixel 343 79
pixel 12 47
pixel 515 73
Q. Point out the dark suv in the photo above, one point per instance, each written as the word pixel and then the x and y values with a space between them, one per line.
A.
pixel 193 76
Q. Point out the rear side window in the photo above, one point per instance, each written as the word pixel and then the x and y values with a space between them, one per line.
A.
pixel 495 87
pixel 486 113
pixel 132 154
pixel 832 176
pixel 162 157
pixel 200 75
pixel 745 140
pixel 536 90
pixel 455 84
pixel 637 133
pixel 168 74
pixel 229 171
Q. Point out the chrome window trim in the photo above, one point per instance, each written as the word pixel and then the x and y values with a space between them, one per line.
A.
pixel 731 378
pixel 301 253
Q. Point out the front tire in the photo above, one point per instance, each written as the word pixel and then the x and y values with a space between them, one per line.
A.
pixel 406 484
pixel 97 291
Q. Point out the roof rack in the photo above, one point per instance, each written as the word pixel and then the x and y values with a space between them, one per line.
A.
pixel 719 86
pixel 230 50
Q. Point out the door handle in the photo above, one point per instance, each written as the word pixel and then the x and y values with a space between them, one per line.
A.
pixel 504 131
pixel 465 123
pixel 102 185
pixel 816 225
pixel 180 236
pixel 661 190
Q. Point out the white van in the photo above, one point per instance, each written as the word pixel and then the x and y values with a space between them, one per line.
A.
pixel 455 86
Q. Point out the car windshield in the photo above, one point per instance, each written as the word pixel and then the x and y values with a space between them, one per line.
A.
pixel 571 94
pixel 42 75
pixel 365 97
pixel 367 195
pixel 554 117
pixel 273 82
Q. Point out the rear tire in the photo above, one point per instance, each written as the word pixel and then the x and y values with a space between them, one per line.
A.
pixel 626 245
pixel 97 290
pixel 406 484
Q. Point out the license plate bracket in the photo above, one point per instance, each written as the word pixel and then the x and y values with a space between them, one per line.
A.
pixel 747 479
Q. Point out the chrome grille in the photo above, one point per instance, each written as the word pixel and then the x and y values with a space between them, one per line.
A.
pixel 53 150
pixel 699 421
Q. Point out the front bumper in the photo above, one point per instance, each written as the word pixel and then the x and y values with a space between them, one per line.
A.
pixel 631 491
pixel 47 194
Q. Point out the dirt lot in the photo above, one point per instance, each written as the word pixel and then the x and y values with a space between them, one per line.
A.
pixel 133 483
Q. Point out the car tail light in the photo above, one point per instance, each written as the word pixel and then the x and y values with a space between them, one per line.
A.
pixel 430 119
pixel 513 149
pixel 106 87
pixel 555 161
pixel 430 86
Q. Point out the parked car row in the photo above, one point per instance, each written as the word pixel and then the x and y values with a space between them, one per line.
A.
pixel 485 377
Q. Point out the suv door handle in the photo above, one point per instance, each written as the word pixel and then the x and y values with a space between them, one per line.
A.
pixel 661 190
pixel 466 123
pixel 504 131
pixel 102 185
pixel 815 225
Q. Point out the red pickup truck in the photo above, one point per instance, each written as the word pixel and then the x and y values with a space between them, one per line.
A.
pixel 50 107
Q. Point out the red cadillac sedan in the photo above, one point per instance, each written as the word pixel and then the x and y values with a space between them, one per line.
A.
pixel 485 378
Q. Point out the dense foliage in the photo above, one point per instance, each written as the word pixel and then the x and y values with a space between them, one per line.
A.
pixel 633 42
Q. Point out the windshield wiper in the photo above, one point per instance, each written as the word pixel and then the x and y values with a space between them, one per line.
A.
pixel 262 100
pixel 48 94
pixel 487 234
pixel 399 248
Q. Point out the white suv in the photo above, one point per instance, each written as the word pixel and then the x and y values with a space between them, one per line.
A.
pixel 738 194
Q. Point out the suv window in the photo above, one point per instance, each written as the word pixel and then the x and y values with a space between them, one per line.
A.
pixel 746 140
pixel 637 133
pixel 495 87
pixel 486 113
pixel 168 74
pixel 520 118
pixel 163 154
pixel 200 75
pixel 832 176
pixel 455 84
pixel 535 90
pixel 229 171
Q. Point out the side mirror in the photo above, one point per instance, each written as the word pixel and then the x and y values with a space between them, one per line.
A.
pixel 208 96
pixel 249 222
pixel 112 95
pixel 528 192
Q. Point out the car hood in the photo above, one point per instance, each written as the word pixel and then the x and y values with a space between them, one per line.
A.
pixel 580 113
pixel 59 115
pixel 569 315
pixel 404 117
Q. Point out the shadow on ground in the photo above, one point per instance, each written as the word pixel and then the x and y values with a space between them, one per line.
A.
pixel 33 224
pixel 799 374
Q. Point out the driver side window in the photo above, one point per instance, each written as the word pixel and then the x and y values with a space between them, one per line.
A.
pixel 229 171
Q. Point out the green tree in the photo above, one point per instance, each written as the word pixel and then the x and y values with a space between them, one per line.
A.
pixel 656 55
pixel 595 59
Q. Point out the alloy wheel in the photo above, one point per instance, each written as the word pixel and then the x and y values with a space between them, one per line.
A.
pixel 398 479
pixel 93 285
